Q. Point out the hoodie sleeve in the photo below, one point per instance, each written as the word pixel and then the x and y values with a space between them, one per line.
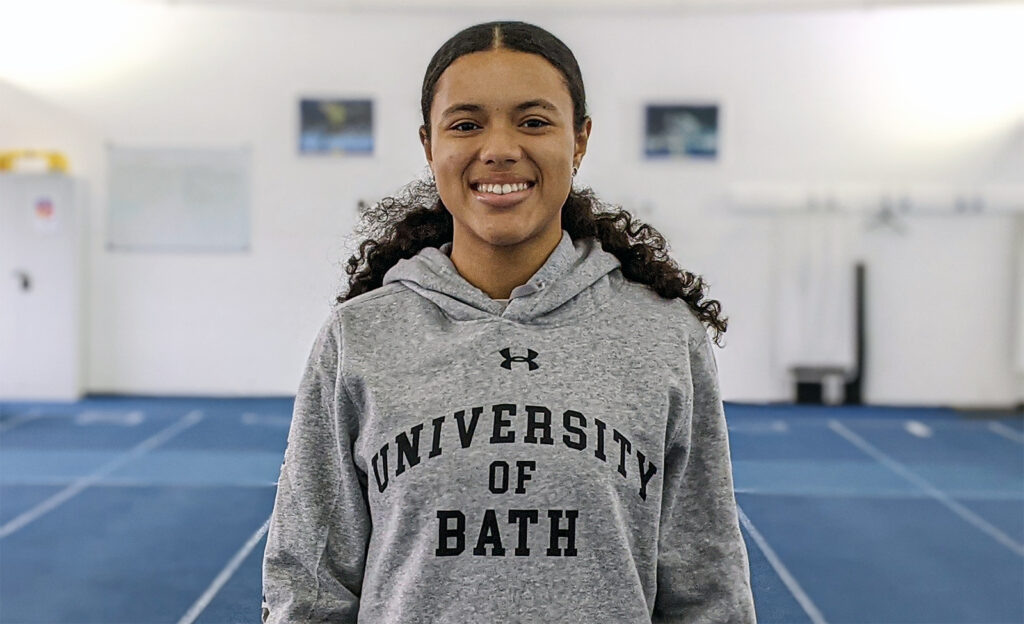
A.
pixel 320 527
pixel 703 570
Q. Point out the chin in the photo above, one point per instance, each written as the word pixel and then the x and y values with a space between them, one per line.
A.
pixel 504 230
pixel 506 234
pixel 504 238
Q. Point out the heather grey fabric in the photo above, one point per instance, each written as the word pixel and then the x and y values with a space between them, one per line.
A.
pixel 560 458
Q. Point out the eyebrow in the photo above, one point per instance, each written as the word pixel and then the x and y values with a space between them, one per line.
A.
pixel 476 108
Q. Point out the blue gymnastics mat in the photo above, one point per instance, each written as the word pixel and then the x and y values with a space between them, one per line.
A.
pixel 146 510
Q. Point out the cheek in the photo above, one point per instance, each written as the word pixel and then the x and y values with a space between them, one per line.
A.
pixel 559 167
pixel 451 167
pixel 559 157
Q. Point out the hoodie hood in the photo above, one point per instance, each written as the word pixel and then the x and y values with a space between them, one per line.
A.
pixel 576 273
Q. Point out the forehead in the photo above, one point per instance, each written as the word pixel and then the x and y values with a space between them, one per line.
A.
pixel 500 79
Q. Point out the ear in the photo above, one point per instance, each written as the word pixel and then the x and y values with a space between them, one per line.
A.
pixel 426 145
pixel 581 142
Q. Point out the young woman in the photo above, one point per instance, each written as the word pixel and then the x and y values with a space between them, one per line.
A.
pixel 513 415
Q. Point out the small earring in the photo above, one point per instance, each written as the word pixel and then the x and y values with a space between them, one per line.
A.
pixel 575 169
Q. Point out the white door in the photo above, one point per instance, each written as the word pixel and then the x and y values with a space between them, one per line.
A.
pixel 40 256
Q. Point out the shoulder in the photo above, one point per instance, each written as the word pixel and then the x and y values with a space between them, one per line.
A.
pixel 371 311
pixel 672 316
pixel 371 301
pixel 352 321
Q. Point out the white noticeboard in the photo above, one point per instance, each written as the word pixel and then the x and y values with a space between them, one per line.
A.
pixel 178 199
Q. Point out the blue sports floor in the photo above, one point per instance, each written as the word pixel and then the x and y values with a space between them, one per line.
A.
pixel 124 510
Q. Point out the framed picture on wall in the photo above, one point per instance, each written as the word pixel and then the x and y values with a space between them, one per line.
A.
pixel 683 131
pixel 335 126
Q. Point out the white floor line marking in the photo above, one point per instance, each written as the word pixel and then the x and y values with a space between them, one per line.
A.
pixel 776 426
pixel 918 428
pixel 225 575
pixel 130 483
pixel 81 484
pixel 831 492
pixel 1006 432
pixel 801 596
pixel 270 420
pixel 31 415
pixel 968 515
pixel 111 417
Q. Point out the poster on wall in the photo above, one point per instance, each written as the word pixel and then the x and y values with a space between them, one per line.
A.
pixel 47 216
pixel 178 199
pixel 340 127
pixel 681 131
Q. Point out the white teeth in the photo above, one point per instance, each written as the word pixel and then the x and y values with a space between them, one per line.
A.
pixel 501 189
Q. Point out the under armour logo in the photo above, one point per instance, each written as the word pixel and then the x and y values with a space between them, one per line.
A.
pixel 530 356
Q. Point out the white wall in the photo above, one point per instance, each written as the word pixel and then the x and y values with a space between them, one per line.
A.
pixel 880 97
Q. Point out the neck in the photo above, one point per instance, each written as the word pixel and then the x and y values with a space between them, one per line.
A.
pixel 496 270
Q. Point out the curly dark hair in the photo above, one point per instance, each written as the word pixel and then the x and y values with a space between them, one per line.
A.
pixel 399 226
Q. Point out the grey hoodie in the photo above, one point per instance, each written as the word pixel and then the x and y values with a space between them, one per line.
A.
pixel 559 458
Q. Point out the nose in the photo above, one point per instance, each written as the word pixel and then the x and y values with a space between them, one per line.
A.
pixel 500 146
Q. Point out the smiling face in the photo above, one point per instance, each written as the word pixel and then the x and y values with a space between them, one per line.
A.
pixel 503 117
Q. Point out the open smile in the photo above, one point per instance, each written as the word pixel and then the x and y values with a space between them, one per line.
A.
pixel 502 195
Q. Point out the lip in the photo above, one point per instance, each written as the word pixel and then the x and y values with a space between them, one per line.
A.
pixel 502 201
pixel 501 180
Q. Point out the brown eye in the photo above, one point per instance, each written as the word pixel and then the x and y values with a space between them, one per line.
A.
pixel 458 127
pixel 539 121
